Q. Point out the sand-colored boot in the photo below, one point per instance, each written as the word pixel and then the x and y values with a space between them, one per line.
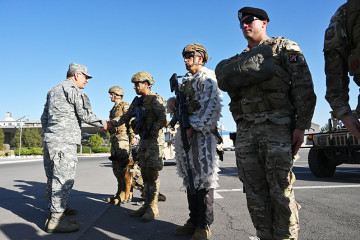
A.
pixel 201 234
pixel 161 197
pixel 111 199
pixel 58 223
pixel 187 229
pixel 152 211
pixel 141 211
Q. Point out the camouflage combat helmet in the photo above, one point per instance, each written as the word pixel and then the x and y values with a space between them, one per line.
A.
pixel 143 77
pixel 117 90
pixel 196 47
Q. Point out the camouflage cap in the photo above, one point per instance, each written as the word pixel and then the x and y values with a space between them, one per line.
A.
pixel 256 12
pixel 75 67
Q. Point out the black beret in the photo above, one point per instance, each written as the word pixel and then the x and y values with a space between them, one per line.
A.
pixel 256 12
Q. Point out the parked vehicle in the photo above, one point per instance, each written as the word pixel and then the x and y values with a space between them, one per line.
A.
pixel 332 148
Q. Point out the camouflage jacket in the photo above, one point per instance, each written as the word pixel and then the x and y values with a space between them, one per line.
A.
pixel 155 114
pixel 338 46
pixel 284 97
pixel 65 108
pixel 203 99
pixel 123 132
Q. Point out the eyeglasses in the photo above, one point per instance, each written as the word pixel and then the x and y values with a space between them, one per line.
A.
pixel 85 76
pixel 188 55
pixel 248 20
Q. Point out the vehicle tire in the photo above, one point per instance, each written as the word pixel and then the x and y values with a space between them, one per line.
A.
pixel 319 164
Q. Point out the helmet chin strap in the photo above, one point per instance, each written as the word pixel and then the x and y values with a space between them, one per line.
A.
pixel 196 62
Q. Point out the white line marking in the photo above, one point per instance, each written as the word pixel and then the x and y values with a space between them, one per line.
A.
pixel 20 161
pixel 229 190
pixel 216 195
pixel 303 187
pixel 331 186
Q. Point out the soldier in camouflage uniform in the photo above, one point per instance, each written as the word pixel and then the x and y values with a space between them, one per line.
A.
pixel 342 56
pixel 203 102
pixel 272 102
pixel 120 137
pixel 65 108
pixel 152 140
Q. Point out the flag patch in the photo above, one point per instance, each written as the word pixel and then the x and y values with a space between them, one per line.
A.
pixel 293 57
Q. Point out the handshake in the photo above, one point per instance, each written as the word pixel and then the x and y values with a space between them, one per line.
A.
pixel 108 126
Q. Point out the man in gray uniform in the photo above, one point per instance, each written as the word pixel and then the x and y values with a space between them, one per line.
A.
pixel 65 108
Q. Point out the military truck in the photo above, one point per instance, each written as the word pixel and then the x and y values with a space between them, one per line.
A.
pixel 332 148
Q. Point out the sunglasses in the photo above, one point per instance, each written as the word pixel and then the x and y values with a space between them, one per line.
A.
pixel 248 20
pixel 188 55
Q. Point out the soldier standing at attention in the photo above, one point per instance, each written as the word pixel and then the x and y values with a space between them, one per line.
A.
pixel 65 108
pixel 342 56
pixel 203 99
pixel 120 137
pixel 150 119
pixel 272 102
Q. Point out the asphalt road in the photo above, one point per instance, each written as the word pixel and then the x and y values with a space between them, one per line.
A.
pixel 330 206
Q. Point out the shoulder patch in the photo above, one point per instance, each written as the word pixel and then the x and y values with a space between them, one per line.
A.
pixel 293 57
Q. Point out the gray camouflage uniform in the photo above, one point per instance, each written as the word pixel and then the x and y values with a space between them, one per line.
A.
pixel 65 108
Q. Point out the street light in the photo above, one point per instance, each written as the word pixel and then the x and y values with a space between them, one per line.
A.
pixel 20 120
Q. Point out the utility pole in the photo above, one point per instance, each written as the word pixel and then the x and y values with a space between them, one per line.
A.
pixel 20 120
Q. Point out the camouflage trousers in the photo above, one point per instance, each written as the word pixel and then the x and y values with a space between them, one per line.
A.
pixel 151 154
pixel 264 161
pixel 118 170
pixel 60 160
pixel 151 184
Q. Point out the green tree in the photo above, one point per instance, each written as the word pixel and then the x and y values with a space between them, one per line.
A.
pixel 16 139
pixel 95 140
pixel 324 128
pixel 107 139
pixel 32 137
pixel 2 138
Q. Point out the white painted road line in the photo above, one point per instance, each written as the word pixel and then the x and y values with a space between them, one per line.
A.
pixel 21 161
pixel 330 186
pixel 216 193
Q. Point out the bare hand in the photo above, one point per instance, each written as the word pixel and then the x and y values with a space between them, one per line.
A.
pixel 133 141
pixel 171 104
pixel 105 128
pixel 297 140
pixel 108 126
pixel 189 133
pixel 352 124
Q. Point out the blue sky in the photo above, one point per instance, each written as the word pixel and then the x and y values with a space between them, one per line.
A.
pixel 116 39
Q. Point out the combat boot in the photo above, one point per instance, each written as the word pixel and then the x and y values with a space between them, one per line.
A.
pixel 58 223
pixel 70 211
pixel 161 197
pixel 111 199
pixel 187 229
pixel 201 234
pixel 140 212
pixel 150 214
pixel 120 198
pixel 152 194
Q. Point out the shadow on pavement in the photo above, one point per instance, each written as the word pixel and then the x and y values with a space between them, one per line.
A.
pixel 28 203
pixel 97 219
pixel 116 224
